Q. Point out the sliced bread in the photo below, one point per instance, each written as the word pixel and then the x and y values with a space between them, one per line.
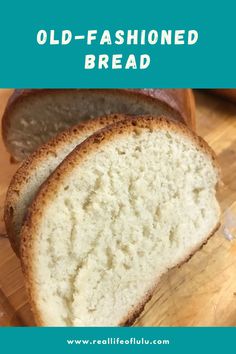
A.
pixel 37 168
pixel 129 203
pixel 32 117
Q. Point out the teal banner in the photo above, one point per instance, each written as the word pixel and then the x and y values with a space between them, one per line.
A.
pixel 116 340
pixel 108 44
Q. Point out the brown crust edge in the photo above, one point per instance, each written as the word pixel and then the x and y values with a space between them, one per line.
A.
pixel 74 158
pixel 24 172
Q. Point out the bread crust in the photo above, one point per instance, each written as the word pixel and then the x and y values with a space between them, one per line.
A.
pixel 30 165
pixel 178 102
pixel 48 190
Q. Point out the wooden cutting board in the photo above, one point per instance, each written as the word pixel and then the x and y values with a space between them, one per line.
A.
pixel 202 292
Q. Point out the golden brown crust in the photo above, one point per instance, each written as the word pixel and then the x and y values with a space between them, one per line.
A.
pixel 178 102
pixel 46 193
pixel 31 164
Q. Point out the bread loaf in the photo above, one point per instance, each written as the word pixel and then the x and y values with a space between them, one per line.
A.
pixel 129 203
pixel 32 117
pixel 38 167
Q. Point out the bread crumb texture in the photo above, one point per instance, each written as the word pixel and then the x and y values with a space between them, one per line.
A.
pixel 35 170
pixel 132 209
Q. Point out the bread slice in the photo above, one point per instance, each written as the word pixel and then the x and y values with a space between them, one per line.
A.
pixel 38 167
pixel 129 203
pixel 32 117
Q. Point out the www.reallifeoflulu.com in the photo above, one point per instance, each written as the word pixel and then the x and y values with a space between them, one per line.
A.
pixel 118 341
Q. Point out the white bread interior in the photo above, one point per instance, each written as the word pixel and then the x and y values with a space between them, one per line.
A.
pixel 127 205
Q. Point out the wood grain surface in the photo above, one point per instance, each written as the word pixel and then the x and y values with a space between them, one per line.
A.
pixel 202 292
